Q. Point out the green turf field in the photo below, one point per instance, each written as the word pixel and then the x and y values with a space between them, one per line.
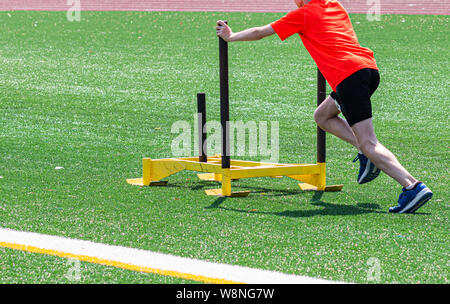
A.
pixel 96 96
pixel 19 267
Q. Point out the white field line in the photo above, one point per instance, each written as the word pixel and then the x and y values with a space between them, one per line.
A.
pixel 146 261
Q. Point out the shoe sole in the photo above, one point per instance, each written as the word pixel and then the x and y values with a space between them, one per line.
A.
pixel 420 200
pixel 369 176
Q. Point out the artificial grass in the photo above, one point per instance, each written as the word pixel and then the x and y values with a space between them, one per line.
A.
pixel 96 96
pixel 19 267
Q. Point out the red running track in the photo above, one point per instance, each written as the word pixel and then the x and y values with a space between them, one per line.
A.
pixel 431 7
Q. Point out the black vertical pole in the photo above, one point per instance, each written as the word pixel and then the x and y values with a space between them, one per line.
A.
pixel 321 136
pixel 201 110
pixel 224 102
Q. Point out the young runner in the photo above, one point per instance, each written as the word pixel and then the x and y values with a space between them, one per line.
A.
pixel 351 70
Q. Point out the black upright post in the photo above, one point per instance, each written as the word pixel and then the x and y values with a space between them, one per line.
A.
pixel 224 102
pixel 201 110
pixel 321 135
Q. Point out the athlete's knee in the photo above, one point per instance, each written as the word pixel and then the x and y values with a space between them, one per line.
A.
pixel 327 110
pixel 320 116
pixel 368 145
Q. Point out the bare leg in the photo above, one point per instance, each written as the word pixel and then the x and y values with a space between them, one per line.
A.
pixel 379 155
pixel 326 116
pixel 362 136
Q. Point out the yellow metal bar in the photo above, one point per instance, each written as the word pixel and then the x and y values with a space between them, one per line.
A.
pixel 210 177
pixel 201 167
pixel 274 171
pixel 317 180
pixel 313 176
pixel 218 192
pixel 226 183
pixel 322 179
pixel 161 168
pixel 146 171
pixel 157 169
pixel 212 158
pixel 247 163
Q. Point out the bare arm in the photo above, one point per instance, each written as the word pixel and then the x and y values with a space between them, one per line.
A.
pixel 251 34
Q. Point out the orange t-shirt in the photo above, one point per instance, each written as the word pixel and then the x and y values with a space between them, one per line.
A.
pixel 327 33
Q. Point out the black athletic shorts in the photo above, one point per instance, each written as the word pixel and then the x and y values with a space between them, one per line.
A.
pixel 353 95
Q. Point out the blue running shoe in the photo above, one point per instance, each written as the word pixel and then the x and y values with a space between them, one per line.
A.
pixel 367 170
pixel 411 200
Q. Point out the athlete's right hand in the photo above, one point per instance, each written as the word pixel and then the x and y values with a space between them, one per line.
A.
pixel 223 30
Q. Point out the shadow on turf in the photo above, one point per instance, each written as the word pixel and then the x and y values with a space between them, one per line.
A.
pixel 328 208
pixel 204 185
